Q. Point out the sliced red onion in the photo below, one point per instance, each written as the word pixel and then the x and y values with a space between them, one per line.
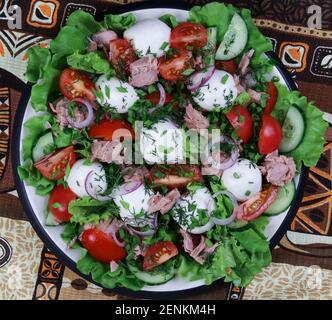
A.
pixel 113 229
pixel 104 37
pixel 150 232
pixel 230 219
pixel 126 188
pixel 162 95
pixel 89 118
pixel 91 193
pixel 198 79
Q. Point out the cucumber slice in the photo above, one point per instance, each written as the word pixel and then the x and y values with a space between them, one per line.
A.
pixel 237 224
pixel 235 39
pixel 151 277
pixel 210 47
pixel 292 130
pixel 50 221
pixel 284 199
pixel 44 141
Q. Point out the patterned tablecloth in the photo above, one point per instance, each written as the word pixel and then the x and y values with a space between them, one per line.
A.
pixel 302 264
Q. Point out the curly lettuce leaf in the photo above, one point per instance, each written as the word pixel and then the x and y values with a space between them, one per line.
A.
pixel 93 62
pixel 118 23
pixel 38 58
pixel 219 15
pixel 311 147
pixel 170 20
pixel 87 210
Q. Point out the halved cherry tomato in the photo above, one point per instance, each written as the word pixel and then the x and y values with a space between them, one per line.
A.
pixel 59 201
pixel 272 91
pixel 188 34
pixel 172 68
pixel 122 55
pixel 229 66
pixel 158 254
pixel 101 246
pixel 75 84
pixel 112 130
pixel 257 205
pixel 241 120
pixel 270 135
pixel 53 166
pixel 174 176
pixel 154 97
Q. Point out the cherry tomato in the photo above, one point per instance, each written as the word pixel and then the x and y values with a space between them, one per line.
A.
pixel 270 135
pixel 174 176
pixel 154 97
pixel 59 201
pixel 188 34
pixel 272 91
pixel 53 167
pixel 257 205
pixel 241 120
pixel 229 66
pixel 101 246
pixel 122 55
pixel 112 130
pixel 172 68
pixel 75 84
pixel 158 254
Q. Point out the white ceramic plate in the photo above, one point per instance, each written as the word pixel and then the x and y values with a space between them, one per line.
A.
pixel 35 204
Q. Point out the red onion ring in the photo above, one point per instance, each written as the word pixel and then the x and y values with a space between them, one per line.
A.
pixel 231 218
pixel 151 232
pixel 91 193
pixel 126 188
pixel 162 95
pixel 198 79
pixel 89 118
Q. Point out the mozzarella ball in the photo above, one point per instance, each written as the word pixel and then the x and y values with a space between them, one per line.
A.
pixel 78 174
pixel 243 179
pixel 189 209
pixel 149 36
pixel 164 142
pixel 218 93
pixel 118 95
pixel 133 206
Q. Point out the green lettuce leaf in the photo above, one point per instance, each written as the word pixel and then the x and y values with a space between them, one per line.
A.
pixel 219 15
pixel 118 23
pixel 87 210
pixel 170 20
pixel 38 58
pixel 310 149
pixel 93 62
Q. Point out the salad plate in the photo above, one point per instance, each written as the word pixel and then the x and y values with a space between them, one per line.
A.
pixel 68 247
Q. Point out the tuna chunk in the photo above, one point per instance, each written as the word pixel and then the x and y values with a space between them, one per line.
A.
pixel 144 71
pixel 194 119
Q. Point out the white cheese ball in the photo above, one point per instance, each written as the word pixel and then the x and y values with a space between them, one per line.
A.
pixel 163 143
pixel 187 209
pixel 78 174
pixel 149 36
pixel 134 206
pixel 118 95
pixel 243 179
pixel 218 93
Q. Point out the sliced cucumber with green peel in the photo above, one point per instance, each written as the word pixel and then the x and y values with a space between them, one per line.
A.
pixel 235 39
pixel 283 200
pixel 151 277
pixel 50 221
pixel 43 142
pixel 292 130
pixel 210 47
pixel 237 224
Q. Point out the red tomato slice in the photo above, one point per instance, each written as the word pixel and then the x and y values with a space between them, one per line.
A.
pixel 101 246
pixel 112 130
pixel 188 34
pixel 53 166
pixel 59 201
pixel 241 120
pixel 75 84
pixel 270 135
pixel 154 97
pixel 229 66
pixel 172 68
pixel 272 91
pixel 122 55
pixel 256 206
pixel 158 254
pixel 174 176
